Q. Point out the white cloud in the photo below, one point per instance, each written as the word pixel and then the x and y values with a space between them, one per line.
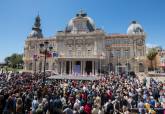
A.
pixel 149 45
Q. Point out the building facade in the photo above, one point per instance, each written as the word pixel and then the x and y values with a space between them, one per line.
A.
pixel 162 60
pixel 86 50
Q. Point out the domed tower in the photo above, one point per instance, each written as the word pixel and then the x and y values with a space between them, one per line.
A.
pixel 80 23
pixel 36 30
pixel 137 37
pixel 135 29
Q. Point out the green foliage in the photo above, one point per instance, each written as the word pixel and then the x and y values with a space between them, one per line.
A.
pixel 15 60
pixel 151 55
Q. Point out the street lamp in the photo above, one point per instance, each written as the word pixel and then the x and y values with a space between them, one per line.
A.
pixel 45 48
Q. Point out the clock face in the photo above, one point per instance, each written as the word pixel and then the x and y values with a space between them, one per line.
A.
pixel 70 42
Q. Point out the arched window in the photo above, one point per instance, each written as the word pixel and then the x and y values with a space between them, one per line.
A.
pixel 119 68
pixel 141 67
pixel 128 66
pixel 53 66
pixel 40 66
pixel 110 67
pixel 30 66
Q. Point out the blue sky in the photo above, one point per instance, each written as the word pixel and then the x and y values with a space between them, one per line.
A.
pixel 114 16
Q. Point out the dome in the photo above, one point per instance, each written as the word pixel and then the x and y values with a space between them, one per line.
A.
pixel 135 29
pixel 81 23
pixel 35 34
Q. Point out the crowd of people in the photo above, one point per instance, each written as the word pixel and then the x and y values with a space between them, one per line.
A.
pixel 26 93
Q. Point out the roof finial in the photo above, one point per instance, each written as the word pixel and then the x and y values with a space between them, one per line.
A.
pixel 81 13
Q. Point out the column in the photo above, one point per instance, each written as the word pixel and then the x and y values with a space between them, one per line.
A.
pixel 72 66
pixel 57 67
pixel 64 67
pixel 96 68
pixel 42 67
pixel 60 67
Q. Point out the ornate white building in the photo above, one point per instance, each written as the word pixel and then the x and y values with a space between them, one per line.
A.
pixel 84 49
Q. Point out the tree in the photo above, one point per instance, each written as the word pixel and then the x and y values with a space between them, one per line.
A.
pixel 14 60
pixel 7 61
pixel 151 55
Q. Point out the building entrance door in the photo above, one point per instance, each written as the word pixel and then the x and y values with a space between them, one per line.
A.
pixel 67 67
pixel 77 67
pixel 88 67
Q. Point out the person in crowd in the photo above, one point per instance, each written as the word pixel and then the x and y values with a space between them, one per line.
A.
pixel 19 106
pixel 34 105
pixel 24 93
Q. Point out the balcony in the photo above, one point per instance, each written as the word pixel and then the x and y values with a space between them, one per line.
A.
pixel 79 56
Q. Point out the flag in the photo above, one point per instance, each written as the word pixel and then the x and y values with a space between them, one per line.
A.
pixel 55 54
pixel 35 57
pixel 49 54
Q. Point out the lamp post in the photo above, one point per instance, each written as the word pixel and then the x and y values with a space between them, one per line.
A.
pixel 44 48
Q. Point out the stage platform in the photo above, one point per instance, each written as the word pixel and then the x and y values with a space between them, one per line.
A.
pixel 73 77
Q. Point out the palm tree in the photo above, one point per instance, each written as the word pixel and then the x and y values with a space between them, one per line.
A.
pixel 151 55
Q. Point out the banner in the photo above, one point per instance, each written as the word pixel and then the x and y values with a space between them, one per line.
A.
pixel 77 69
pixel 48 54
pixel 55 54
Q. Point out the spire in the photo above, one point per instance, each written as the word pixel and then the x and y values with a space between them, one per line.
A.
pixel 36 30
pixel 37 23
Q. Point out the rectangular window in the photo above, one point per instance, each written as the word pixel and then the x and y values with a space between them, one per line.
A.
pixel 118 54
pixel 89 52
pixel 78 53
pixel 70 53
pixel 126 53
